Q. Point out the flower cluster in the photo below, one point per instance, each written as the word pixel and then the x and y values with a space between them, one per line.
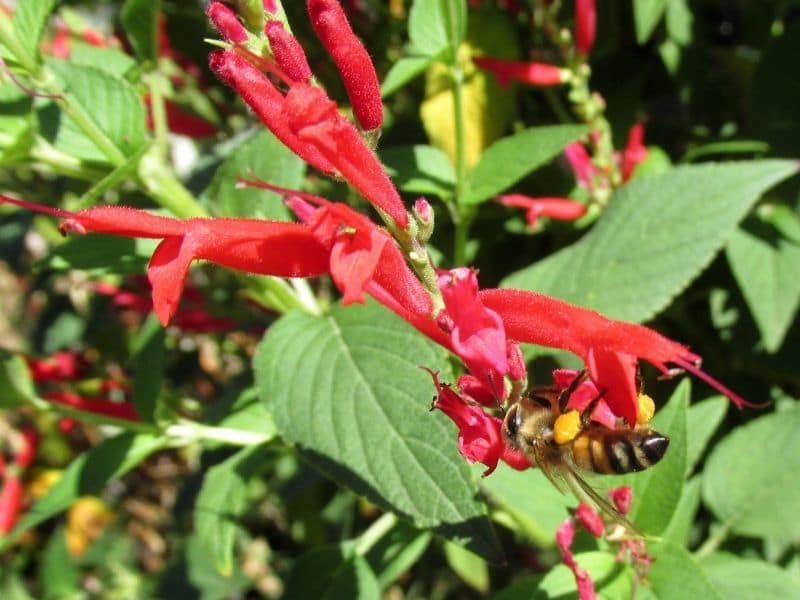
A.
pixel 391 264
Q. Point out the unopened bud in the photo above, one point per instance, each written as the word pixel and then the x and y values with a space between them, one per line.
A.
pixel 424 215
pixel 288 53
pixel 226 22
pixel 622 497
pixel 590 520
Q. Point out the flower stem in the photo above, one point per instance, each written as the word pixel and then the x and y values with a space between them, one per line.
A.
pixel 379 528
pixel 191 431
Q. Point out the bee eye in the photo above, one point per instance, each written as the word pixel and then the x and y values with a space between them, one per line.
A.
pixel 511 422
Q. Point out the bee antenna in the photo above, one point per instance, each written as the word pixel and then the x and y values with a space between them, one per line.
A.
pixel 564 396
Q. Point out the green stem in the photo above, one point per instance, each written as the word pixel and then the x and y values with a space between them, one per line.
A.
pixel 155 85
pixel 278 295
pixel 379 528
pixel 191 431
pixel 715 540
pixel 165 189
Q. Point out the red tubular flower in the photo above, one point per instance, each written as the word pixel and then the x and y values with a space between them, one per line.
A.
pixel 562 209
pixel 635 151
pixel 116 410
pixel 531 73
pixel 270 6
pixel 226 22
pixel 477 333
pixel 585 25
pixel 287 51
pixel 564 538
pixel 315 120
pixel 581 164
pixel 609 348
pixel 351 59
pixel 266 101
pixel 479 437
pixel 254 246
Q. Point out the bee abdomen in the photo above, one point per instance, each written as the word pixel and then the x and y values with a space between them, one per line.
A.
pixel 618 452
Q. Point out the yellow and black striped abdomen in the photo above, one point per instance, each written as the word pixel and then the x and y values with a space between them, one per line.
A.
pixel 600 450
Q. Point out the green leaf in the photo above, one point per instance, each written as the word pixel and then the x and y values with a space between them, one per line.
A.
pixel 675 574
pixel 148 361
pixel 703 420
pixel 680 527
pixel 348 390
pixel 244 412
pixel 657 234
pixel 403 71
pixel 507 161
pixel 764 256
pixel 656 490
pixel 436 25
pixel 336 574
pixel 221 501
pixel 534 504
pixel 140 22
pixel 396 552
pixel 112 61
pixel 749 481
pixel 421 170
pixel 739 578
pixel 262 156
pixel 30 17
pixel 87 475
pixel 725 147
pixel 58 576
pixel 110 103
pixel 16 135
pixel 679 22
pixel 646 16
pixel 101 254
pixel 471 568
pixel 16 385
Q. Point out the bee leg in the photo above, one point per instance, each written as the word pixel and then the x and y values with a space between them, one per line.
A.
pixel 564 396
pixel 586 415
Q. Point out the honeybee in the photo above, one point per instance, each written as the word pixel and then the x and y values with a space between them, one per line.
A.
pixel 529 426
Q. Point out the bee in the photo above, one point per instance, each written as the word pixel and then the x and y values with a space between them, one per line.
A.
pixel 530 426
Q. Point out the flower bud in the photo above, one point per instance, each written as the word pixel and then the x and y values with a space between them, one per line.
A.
pixel 352 61
pixel 585 25
pixel 288 52
pixel 590 520
pixel 226 22
pixel 425 218
pixel 622 497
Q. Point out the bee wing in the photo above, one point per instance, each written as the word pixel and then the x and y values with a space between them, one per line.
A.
pixel 581 488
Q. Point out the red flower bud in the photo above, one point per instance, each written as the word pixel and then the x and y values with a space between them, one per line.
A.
pixel 590 520
pixel 226 22
pixel 351 59
pixel 531 73
pixel 635 151
pixel 585 25
pixel 288 53
pixel 622 497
